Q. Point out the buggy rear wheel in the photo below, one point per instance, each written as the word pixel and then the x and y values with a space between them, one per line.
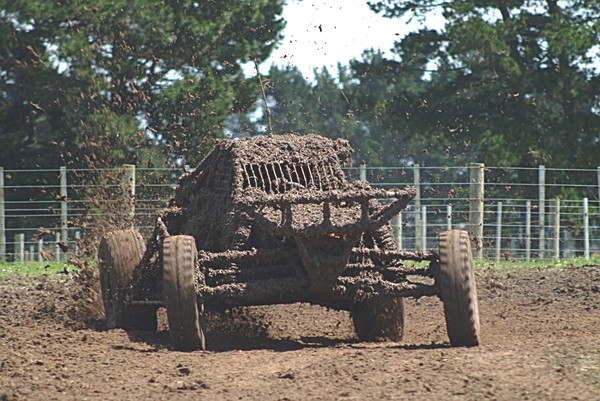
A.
pixel 183 312
pixel 119 253
pixel 380 318
pixel 457 288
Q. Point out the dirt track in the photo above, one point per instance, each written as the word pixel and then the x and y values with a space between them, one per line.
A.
pixel 541 341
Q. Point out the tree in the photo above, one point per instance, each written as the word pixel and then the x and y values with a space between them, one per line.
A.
pixel 300 106
pixel 79 83
pixel 378 89
pixel 510 82
pixel 292 103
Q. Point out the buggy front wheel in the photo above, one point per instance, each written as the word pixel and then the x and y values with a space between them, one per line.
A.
pixel 457 288
pixel 183 311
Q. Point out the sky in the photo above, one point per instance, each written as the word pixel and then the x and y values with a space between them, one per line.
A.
pixel 325 32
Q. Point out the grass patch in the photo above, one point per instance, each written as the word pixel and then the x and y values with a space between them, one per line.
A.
pixel 35 268
pixel 518 264
pixel 58 267
pixel 537 264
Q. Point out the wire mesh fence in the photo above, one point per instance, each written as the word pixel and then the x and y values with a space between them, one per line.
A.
pixel 528 213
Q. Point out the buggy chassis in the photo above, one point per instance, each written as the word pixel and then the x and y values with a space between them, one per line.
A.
pixel 303 239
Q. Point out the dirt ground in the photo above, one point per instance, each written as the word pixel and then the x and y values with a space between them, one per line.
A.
pixel 540 334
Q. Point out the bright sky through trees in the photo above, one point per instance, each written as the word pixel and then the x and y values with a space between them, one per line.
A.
pixel 325 32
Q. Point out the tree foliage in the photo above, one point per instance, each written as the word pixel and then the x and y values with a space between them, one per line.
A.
pixel 513 83
pixel 301 106
pixel 96 83
pixel 510 82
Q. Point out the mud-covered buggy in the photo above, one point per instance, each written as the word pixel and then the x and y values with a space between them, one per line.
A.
pixel 271 220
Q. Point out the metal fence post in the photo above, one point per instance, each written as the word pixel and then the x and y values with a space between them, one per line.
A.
pixel 528 231
pixel 542 211
pixel 498 231
pixel 128 183
pixel 556 247
pixel 2 219
pixel 476 193
pixel 424 229
pixel 586 230
pixel 40 254
pixel 417 205
pixel 57 248
pixel 19 248
pixel 64 217
pixel 77 238
pixel 362 171
pixel 397 227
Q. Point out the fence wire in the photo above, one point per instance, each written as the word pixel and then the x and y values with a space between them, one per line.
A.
pixel 521 220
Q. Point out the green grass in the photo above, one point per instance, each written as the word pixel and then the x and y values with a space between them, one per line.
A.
pixel 35 268
pixel 56 267
pixel 537 264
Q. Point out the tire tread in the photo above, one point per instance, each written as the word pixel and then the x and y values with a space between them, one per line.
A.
pixel 179 265
pixel 458 289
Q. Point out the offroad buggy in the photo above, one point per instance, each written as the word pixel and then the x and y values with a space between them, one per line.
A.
pixel 273 219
